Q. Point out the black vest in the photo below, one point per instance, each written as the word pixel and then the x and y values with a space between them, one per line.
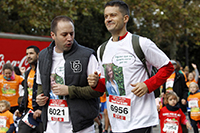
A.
pixel 82 111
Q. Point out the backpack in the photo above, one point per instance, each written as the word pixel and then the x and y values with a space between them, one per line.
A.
pixel 140 55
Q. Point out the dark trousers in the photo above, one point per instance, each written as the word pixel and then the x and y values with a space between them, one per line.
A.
pixel 194 124
pixel 141 130
pixel 24 128
pixel 184 128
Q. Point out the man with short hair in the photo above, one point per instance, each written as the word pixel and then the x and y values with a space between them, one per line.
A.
pixel 29 99
pixel 68 103
pixel 134 109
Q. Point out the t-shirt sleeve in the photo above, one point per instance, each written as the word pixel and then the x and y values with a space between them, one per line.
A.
pixel 20 79
pixel 183 117
pixel 100 67
pixel 157 58
pixel 11 121
pixel 92 65
pixel 153 55
pixel 38 79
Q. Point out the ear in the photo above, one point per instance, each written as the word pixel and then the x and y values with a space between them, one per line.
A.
pixel 53 35
pixel 38 55
pixel 126 18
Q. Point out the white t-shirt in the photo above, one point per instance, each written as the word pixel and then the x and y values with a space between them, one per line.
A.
pixel 21 89
pixel 129 70
pixel 58 68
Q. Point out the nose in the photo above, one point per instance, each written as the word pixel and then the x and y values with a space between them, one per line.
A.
pixel 107 19
pixel 69 37
pixel 8 75
pixel 174 100
pixel 28 55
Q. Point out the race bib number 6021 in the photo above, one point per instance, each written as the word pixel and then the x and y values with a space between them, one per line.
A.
pixel 58 110
pixel 120 107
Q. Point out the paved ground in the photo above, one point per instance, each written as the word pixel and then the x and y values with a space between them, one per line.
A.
pixel 155 129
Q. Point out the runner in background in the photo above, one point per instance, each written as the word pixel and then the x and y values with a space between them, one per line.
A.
pixel 193 105
pixel 28 105
pixel 171 116
pixel 6 118
pixel 105 112
pixel 9 86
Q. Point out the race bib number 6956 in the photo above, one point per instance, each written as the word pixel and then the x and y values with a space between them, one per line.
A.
pixel 120 107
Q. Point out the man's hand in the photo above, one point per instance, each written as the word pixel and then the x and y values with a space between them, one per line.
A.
pixel 22 70
pixel 37 113
pixel 183 101
pixel 93 79
pixel 140 89
pixel 17 113
pixel 61 90
pixel 41 99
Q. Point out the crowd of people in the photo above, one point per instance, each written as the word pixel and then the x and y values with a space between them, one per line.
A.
pixel 181 84
pixel 67 85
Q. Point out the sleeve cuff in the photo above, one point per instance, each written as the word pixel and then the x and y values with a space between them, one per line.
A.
pixel 100 85
pixel 160 78
pixel 185 121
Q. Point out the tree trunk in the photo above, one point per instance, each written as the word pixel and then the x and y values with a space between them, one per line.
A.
pixel 173 48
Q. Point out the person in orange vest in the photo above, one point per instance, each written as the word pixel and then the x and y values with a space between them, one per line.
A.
pixel 6 118
pixel 181 70
pixel 193 76
pixel 186 70
pixel 194 104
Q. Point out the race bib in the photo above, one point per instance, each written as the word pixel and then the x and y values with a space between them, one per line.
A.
pixel 3 121
pixel 169 84
pixel 58 110
pixel 120 107
pixel 193 103
pixel 170 128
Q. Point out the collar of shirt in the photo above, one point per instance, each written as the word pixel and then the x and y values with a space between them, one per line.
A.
pixel 122 37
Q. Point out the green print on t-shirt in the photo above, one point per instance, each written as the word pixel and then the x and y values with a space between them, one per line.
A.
pixel 7 90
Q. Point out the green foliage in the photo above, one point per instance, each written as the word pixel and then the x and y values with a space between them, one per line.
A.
pixel 34 17
pixel 89 31
pixel 168 23
pixel 118 74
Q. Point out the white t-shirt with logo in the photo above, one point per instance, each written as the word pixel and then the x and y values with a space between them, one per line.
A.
pixel 129 69
pixel 58 68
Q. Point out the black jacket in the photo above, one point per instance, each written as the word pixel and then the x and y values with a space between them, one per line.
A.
pixel 180 88
pixel 81 111
pixel 24 103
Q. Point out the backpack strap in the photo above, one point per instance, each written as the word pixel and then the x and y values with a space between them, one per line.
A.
pixel 139 52
pixel 102 49
pixel 137 49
